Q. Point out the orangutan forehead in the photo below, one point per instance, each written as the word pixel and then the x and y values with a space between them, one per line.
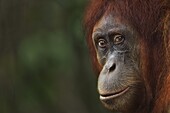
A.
pixel 110 22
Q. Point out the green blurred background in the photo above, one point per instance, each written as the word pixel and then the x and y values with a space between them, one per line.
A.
pixel 44 61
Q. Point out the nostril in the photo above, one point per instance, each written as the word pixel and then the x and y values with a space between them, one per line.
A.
pixel 112 68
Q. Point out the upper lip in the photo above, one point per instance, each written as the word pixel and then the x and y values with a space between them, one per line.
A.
pixel 114 94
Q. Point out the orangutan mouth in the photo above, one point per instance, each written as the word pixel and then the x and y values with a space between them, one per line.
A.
pixel 113 95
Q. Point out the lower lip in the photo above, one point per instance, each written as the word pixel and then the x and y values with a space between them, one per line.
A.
pixel 114 95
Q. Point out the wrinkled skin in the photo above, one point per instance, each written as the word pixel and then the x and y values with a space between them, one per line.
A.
pixel 120 84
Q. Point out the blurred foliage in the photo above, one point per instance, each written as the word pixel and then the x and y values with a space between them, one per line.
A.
pixel 44 61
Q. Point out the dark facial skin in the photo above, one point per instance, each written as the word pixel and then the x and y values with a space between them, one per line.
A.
pixel 119 84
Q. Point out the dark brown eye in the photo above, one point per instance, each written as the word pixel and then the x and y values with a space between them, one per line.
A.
pixel 118 39
pixel 102 43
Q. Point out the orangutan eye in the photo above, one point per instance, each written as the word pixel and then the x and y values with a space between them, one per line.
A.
pixel 118 39
pixel 102 43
